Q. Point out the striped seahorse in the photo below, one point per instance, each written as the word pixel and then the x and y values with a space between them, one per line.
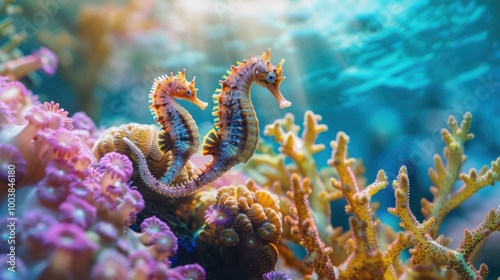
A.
pixel 236 132
pixel 168 149
pixel 180 134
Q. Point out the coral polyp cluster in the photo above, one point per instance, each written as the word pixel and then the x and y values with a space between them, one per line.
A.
pixel 241 233
pixel 74 212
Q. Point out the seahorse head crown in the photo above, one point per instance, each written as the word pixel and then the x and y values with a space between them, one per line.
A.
pixel 176 86
pixel 269 76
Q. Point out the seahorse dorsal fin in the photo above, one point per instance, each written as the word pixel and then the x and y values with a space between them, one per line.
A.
pixel 210 143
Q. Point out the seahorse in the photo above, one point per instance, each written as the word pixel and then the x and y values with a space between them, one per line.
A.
pixel 235 136
pixel 180 134
pixel 179 138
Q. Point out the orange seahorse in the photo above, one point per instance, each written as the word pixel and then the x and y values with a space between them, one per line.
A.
pixel 236 132
pixel 180 133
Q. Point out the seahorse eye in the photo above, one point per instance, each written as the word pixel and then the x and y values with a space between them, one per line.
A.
pixel 189 92
pixel 271 77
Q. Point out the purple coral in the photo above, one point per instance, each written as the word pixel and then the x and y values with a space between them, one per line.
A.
pixel 165 245
pixel 77 211
pixel 151 227
pixel 110 265
pixel 83 122
pixel 275 275
pixel 48 115
pixel 51 192
pixel 48 60
pixel 107 231
pixel 36 224
pixel 190 271
pixel 116 167
pixel 142 264
pixel 219 215
pixel 71 238
pixel 63 143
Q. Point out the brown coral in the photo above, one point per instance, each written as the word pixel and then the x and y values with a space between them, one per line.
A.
pixel 248 244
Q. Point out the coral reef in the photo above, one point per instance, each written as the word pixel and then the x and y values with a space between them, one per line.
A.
pixel 73 213
pixel 83 210
pixel 364 257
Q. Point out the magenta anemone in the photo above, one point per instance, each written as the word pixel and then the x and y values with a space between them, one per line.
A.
pixel 275 275
pixel 165 244
pixel 219 215
pixel 142 264
pixel 110 265
pixel 48 60
pixel 48 115
pixel 69 237
pixel 191 271
pixel 151 227
pixel 77 211
pixel 83 121
pixel 59 168
pixel 64 144
pixel 116 166
pixel 51 191
pixel 35 225
pixel 79 189
pixel 106 231
pixel 104 202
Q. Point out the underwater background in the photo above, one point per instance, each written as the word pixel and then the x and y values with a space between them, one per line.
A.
pixel 387 73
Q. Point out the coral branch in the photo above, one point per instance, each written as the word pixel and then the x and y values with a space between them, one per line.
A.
pixel 317 252
pixel 444 176
pixel 358 200
pixel 425 245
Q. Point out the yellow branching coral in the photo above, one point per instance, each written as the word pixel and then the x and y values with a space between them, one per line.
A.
pixel 426 246
pixel 444 176
pixel 305 226
pixel 358 200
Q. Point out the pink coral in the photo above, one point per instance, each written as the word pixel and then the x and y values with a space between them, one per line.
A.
pixel 69 237
pixel 48 115
pixel 77 211
pixel 164 245
pixel 142 264
pixel 18 68
pixel 107 231
pixel 63 144
pixel 191 271
pixel 83 122
pixel 15 95
pixel 116 167
pixel 36 224
pixel 48 60
pixel 275 275
pixel 51 193
pixel 151 227
pixel 6 116
pixel 110 265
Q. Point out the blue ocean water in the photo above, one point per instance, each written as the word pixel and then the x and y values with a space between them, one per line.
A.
pixel 388 73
